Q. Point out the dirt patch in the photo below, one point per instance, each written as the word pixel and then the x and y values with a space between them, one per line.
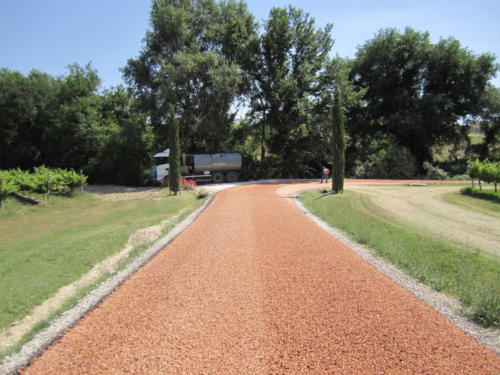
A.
pixel 424 207
pixel 122 193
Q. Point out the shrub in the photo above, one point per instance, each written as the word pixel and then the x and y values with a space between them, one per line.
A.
pixel 201 195
pixel 389 161
pixel 489 172
pixel 481 194
pixel 460 177
pixel 474 170
pixel 486 171
pixel 7 186
pixel 45 181
pixel 433 172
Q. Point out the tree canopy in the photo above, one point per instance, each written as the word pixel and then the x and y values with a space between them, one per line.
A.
pixel 270 91
pixel 418 92
pixel 193 58
pixel 287 84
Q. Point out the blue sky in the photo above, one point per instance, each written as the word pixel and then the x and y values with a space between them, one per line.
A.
pixel 49 34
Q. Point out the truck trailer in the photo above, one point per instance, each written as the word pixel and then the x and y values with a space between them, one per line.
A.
pixel 222 167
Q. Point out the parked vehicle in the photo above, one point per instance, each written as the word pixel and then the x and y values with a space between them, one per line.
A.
pixel 223 167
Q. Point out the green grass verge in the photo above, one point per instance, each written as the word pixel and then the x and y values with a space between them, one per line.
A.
pixel 69 303
pixel 489 195
pixel 473 204
pixel 469 276
pixel 46 247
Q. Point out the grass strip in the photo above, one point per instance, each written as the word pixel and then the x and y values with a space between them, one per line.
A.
pixel 69 303
pixel 51 245
pixel 473 204
pixel 72 300
pixel 467 275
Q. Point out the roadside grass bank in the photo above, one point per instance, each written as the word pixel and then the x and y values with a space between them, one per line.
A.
pixel 46 247
pixel 469 276
pixel 72 301
pixel 489 195
pixel 69 303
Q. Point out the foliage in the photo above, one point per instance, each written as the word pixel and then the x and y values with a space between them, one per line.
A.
pixel 433 172
pixel 382 158
pixel 418 91
pixel 74 133
pixel 474 170
pixel 486 171
pixel 193 57
pixel 44 180
pixel 338 133
pixel 210 60
pixel 482 194
pixel 287 82
pixel 26 104
pixel 174 176
pixel 490 172
pixel 64 122
pixel 124 156
pixel 489 120
pixel 7 186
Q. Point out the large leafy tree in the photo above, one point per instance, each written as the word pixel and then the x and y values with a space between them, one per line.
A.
pixel 287 83
pixel 65 122
pixel 194 57
pixel 417 91
pixel 123 158
pixel 25 104
pixel 75 132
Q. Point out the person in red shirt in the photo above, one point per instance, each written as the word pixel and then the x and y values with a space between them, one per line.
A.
pixel 325 172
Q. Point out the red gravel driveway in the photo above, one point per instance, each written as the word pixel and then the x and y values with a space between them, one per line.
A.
pixel 254 287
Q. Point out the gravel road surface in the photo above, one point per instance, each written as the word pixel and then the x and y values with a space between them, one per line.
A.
pixel 254 287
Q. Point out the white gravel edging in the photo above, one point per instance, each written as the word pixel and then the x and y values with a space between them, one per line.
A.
pixel 66 320
pixel 447 306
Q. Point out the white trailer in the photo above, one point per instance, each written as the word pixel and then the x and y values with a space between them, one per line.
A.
pixel 222 167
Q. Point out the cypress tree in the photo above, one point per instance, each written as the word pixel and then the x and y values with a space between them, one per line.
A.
pixel 174 178
pixel 338 146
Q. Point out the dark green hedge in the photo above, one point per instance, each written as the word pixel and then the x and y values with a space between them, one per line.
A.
pixel 482 194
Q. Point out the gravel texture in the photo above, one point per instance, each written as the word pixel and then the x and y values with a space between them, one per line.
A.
pixel 254 287
pixel 448 306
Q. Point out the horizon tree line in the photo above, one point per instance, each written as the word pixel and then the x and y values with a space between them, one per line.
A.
pixel 401 97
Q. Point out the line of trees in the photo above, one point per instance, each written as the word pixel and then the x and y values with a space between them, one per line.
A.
pixel 66 122
pixel 486 171
pixel 268 91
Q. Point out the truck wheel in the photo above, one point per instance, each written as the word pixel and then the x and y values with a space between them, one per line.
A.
pixel 232 176
pixel 217 177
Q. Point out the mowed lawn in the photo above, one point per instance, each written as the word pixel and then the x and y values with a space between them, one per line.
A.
pixel 470 275
pixel 45 247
